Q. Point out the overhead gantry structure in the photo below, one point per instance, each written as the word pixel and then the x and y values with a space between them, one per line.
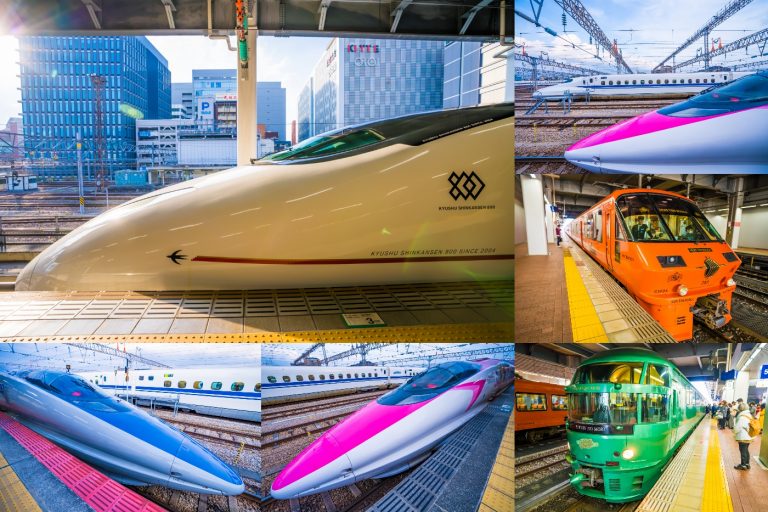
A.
pixel 726 12
pixel 760 39
pixel 478 20
pixel 561 68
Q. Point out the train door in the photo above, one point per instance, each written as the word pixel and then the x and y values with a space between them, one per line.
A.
pixel 608 234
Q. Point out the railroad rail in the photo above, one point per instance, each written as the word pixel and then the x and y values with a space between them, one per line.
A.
pixel 269 414
pixel 541 461
pixel 568 121
pixel 307 428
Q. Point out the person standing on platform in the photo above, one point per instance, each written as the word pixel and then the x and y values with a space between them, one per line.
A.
pixel 760 416
pixel 557 234
pixel 741 433
pixel 721 415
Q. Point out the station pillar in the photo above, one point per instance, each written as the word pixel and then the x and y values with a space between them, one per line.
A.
pixel 535 224
pixel 247 130
pixel 741 386
pixel 735 201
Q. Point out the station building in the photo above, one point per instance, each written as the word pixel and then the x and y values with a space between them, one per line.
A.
pixel 360 80
pixel 58 97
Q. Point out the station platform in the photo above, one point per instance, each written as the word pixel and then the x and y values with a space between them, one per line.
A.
pixel 440 312
pixel 702 477
pixel 566 297
pixel 36 475
pixel 472 470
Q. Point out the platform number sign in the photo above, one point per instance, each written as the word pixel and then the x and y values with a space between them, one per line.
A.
pixel 363 320
pixel 764 371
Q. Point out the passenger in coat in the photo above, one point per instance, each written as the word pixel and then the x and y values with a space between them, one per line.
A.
pixel 741 433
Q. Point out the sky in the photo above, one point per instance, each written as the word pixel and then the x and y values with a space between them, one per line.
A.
pixel 284 354
pixel 175 355
pixel 289 60
pixel 647 31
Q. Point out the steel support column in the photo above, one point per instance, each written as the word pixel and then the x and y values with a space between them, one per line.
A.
pixel 247 130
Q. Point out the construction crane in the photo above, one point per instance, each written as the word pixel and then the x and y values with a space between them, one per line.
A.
pixel 726 12
pixel 98 82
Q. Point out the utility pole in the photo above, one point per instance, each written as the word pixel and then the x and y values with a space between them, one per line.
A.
pixel 79 146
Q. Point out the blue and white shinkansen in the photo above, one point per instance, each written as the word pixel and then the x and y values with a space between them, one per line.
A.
pixel 649 85
pixel 226 392
pixel 285 383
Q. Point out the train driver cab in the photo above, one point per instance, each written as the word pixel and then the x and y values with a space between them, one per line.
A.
pixel 74 389
pixel 431 383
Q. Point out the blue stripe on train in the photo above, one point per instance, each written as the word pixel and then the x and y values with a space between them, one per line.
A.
pixel 199 392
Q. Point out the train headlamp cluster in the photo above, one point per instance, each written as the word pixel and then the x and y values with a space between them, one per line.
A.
pixel 628 453
pixel 730 282
pixel 682 290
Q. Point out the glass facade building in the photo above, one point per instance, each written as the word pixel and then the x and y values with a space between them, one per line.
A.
pixel 476 74
pixel 361 80
pixel 59 98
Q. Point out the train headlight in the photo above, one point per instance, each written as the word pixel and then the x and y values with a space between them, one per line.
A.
pixel 628 453
pixel 671 261
pixel 682 290
pixel 730 282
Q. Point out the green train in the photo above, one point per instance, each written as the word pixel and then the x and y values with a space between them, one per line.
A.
pixel 629 410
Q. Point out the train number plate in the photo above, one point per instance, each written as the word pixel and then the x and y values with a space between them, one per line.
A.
pixel 363 320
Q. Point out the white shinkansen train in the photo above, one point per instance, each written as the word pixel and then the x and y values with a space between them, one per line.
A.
pixel 649 85
pixel 226 392
pixel 291 383
pixel 422 198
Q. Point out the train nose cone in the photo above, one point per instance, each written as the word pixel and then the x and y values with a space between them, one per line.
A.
pixel 198 469
pixel 24 281
pixel 320 467
pixel 587 158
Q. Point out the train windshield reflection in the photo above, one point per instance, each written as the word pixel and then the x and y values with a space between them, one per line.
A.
pixel 75 389
pixel 430 383
pixel 662 218
pixel 743 93
pixel 603 408
pixel 617 373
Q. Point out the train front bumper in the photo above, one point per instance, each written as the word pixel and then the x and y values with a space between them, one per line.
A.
pixel 614 484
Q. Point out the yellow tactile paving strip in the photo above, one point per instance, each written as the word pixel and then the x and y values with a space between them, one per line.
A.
pixel 695 480
pixel 14 496
pixel 464 333
pixel 499 495
pixel 585 324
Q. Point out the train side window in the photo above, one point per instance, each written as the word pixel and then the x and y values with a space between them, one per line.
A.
pixel 357 376
pixel 610 82
pixel 322 377
pixel 697 80
pixel 654 409
pixel 674 81
pixel 642 82
pixel 690 81
pixel 311 377
pixel 626 82
pixel 602 82
pixel 299 378
pixel 725 78
pixel 619 232
pixel 166 384
pixel 216 386
pixel 271 379
pixel 589 225
pixel 198 384
pixel 331 376
pixel 151 377
pixel 182 384
pixel 237 386
pixel 634 82
pixel 598 231
pixel 657 375
pixel 286 378
pixel 349 375
pixel 666 81
pixel 341 376
pixel 531 401
pixel 141 377
pixel 559 403
pixel 257 387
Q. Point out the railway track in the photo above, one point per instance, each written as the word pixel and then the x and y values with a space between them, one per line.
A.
pixel 563 122
pixel 308 428
pixel 545 460
pixel 268 414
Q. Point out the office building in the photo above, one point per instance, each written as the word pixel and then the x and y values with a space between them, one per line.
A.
pixel 64 81
pixel 476 74
pixel 361 80
pixel 182 103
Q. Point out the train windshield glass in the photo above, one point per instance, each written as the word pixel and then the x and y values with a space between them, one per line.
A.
pixel 616 373
pixel 605 408
pixel 743 93
pixel 430 383
pixel 329 144
pixel 75 389
pixel 662 218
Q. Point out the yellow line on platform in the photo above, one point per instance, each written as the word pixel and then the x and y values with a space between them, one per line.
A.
pixel 585 324
pixel 717 496
pixel 499 495
pixel 14 496
pixel 447 333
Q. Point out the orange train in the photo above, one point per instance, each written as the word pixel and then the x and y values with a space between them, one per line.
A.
pixel 540 409
pixel 662 248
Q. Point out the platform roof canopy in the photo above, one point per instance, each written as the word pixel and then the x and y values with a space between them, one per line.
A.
pixel 444 19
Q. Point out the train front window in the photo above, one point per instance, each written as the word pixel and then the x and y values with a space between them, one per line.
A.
pixel 429 384
pixel 616 373
pixel 329 144
pixel 531 401
pixel 743 93
pixel 663 218
pixel 603 408
pixel 657 375
pixel 75 389
pixel 654 408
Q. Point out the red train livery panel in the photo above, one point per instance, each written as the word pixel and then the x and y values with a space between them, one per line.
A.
pixel 665 252
pixel 540 409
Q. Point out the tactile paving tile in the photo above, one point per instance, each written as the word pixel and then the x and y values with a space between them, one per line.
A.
pixel 644 327
pixel 418 490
